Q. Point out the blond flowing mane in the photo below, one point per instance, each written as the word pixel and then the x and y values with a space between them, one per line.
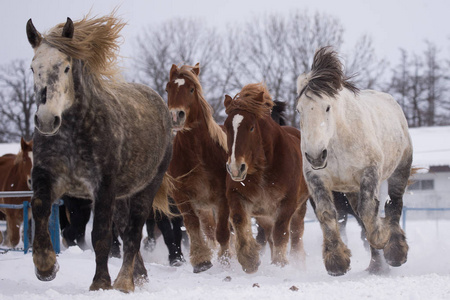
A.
pixel 246 100
pixel 95 42
pixel 214 129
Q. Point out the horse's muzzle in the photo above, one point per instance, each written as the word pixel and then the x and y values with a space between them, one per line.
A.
pixel 178 117
pixel 318 163
pixel 237 174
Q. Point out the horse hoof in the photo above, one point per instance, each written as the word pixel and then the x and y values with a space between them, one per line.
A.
pixel 202 267
pixel 48 275
pixel 251 269
pixel 177 261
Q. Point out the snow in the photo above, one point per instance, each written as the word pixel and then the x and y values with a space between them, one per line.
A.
pixel 425 275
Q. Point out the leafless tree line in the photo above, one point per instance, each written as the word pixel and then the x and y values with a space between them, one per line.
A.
pixel 271 48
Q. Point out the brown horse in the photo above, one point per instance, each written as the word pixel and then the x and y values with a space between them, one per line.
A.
pixel 264 181
pixel 14 176
pixel 198 164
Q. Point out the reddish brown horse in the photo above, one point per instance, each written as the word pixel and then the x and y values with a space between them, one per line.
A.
pixel 264 181
pixel 14 176
pixel 198 165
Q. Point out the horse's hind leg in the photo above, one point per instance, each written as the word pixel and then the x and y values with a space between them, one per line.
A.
pixel 336 255
pixel 396 250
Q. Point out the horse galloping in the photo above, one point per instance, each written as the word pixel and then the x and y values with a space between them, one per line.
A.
pixel 96 137
pixel 15 175
pixel 265 179
pixel 351 141
pixel 199 155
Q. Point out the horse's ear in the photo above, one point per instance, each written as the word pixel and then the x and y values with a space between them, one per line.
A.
pixel 227 101
pixel 173 71
pixel 68 29
pixel 34 37
pixel 196 69
pixel 260 97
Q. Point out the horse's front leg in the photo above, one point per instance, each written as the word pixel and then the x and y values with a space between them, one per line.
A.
pixel 44 256
pixel 376 231
pixel 247 249
pixel 286 209
pixel 200 253
pixel 101 233
pixel 223 231
pixel 297 228
pixel 336 255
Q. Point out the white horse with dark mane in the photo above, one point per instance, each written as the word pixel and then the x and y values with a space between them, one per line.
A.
pixel 352 140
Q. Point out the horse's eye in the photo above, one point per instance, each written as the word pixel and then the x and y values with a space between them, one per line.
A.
pixel 252 128
pixel 67 69
pixel 328 108
pixel 192 90
pixel 32 70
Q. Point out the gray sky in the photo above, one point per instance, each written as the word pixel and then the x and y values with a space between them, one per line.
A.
pixel 392 24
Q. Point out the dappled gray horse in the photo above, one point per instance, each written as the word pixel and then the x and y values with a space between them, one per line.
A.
pixel 96 137
pixel 351 141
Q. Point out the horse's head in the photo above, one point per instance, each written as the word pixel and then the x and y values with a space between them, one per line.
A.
pixel 53 81
pixel 319 104
pixel 317 124
pixel 182 94
pixel 244 136
pixel 24 163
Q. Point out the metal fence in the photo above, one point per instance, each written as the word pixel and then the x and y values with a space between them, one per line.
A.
pixel 406 209
pixel 53 222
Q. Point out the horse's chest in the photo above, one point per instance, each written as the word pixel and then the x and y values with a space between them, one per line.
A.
pixel 264 199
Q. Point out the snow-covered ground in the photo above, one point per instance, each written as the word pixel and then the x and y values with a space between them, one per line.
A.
pixel 426 275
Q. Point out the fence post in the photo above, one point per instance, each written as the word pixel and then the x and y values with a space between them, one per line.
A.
pixel 54 227
pixel 26 241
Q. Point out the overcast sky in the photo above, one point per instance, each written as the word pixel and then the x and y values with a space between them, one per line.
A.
pixel 392 24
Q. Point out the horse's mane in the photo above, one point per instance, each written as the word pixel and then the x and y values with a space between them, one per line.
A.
pixel 95 42
pixel 246 100
pixel 326 75
pixel 214 129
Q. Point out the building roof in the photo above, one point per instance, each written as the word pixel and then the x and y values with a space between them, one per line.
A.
pixel 431 146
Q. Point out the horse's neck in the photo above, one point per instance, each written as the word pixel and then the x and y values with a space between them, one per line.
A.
pixel 203 124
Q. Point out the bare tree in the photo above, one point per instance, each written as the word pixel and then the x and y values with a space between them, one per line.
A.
pixel 16 101
pixel 178 41
pixel 363 66
pixel 434 78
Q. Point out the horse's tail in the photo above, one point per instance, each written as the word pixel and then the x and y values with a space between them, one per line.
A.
pixel 414 170
pixel 161 201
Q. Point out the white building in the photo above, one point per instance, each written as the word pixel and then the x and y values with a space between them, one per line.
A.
pixel 431 185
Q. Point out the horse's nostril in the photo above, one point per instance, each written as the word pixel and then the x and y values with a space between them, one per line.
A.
pixel 181 114
pixel 324 154
pixel 36 121
pixel 56 122
pixel 307 156
pixel 242 168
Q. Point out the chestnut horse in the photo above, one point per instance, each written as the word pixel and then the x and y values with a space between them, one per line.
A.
pixel 14 176
pixel 198 166
pixel 264 180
